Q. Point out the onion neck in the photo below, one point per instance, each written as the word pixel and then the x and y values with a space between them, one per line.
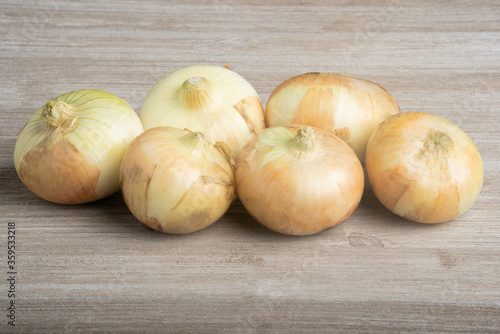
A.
pixel 438 141
pixel 197 93
pixel 435 144
pixel 59 115
pixel 193 140
pixel 303 140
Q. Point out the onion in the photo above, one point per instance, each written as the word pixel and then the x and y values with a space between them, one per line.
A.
pixel 298 180
pixel 176 181
pixel 210 99
pixel 349 107
pixel 423 168
pixel 69 151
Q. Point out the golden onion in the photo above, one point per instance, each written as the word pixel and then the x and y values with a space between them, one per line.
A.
pixel 69 151
pixel 213 100
pixel 349 107
pixel 423 167
pixel 298 180
pixel 175 181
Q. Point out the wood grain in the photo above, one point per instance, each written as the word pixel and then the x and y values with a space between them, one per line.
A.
pixel 94 268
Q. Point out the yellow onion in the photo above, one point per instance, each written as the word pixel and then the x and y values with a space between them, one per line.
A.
pixel 176 181
pixel 213 100
pixel 423 167
pixel 69 151
pixel 349 107
pixel 298 180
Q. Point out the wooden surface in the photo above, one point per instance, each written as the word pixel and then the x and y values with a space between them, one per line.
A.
pixel 94 268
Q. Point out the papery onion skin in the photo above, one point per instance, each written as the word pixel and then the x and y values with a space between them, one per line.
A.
pixel 69 151
pixel 175 181
pixel 210 99
pixel 423 167
pixel 297 191
pixel 349 107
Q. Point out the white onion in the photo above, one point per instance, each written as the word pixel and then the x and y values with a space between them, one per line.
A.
pixel 298 180
pixel 423 167
pixel 349 107
pixel 213 100
pixel 176 181
pixel 70 150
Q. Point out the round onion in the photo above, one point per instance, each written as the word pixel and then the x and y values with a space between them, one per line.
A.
pixel 423 168
pixel 298 180
pixel 349 107
pixel 176 181
pixel 210 99
pixel 69 151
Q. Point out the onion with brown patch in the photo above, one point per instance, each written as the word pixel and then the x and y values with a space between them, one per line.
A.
pixel 423 167
pixel 175 181
pixel 299 180
pixel 69 151
pixel 347 106
pixel 213 100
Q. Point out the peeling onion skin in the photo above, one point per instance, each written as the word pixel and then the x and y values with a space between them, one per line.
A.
pixel 175 181
pixel 69 151
pixel 210 99
pixel 423 167
pixel 298 180
pixel 349 107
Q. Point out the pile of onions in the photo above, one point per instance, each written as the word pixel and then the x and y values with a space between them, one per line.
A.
pixel 213 100
pixel 69 151
pixel 301 175
pixel 176 181
pixel 298 180
pixel 349 107
pixel 423 168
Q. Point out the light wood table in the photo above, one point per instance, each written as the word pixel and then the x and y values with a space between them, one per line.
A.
pixel 94 268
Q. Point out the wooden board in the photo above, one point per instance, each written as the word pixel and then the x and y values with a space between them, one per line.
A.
pixel 94 268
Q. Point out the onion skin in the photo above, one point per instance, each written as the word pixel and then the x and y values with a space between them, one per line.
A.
pixel 175 181
pixel 349 107
pixel 298 191
pixel 423 167
pixel 213 100
pixel 69 151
